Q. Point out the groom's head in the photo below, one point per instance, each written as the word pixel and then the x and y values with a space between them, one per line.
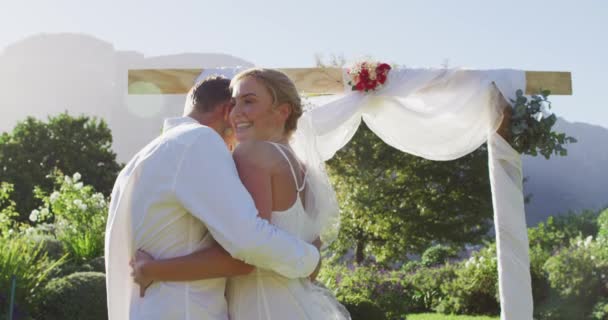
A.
pixel 209 102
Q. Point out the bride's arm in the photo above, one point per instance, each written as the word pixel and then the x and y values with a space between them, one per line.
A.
pixel 254 166
pixel 212 262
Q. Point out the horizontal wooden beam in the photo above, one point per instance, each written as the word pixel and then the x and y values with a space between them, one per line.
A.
pixel 311 81
pixel 559 83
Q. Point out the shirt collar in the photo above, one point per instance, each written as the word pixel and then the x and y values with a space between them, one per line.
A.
pixel 171 123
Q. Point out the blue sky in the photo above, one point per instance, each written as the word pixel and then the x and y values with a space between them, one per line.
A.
pixel 533 35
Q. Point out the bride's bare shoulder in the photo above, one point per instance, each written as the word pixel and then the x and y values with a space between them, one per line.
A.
pixel 260 154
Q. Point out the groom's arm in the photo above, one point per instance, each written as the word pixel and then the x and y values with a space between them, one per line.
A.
pixel 207 185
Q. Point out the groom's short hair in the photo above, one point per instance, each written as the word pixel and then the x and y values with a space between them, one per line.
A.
pixel 208 93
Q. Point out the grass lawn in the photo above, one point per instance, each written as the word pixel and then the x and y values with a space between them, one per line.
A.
pixel 439 316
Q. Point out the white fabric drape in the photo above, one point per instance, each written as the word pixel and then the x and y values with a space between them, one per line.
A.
pixel 511 232
pixel 437 114
pixel 444 114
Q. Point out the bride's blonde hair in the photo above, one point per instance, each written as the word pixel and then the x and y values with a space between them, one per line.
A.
pixel 282 90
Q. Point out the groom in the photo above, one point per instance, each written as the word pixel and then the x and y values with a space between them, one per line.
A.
pixel 179 194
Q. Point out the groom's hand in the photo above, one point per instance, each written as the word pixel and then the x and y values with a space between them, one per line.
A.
pixel 141 258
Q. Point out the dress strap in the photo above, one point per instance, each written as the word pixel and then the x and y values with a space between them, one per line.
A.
pixel 293 172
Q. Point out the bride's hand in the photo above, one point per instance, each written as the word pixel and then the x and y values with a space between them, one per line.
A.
pixel 137 264
pixel 317 243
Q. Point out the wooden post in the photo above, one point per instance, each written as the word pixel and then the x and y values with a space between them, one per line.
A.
pixel 505 126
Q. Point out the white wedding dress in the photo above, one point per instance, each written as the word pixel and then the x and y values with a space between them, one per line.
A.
pixel 265 295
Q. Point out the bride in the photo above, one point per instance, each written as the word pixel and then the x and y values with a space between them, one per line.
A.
pixel 290 189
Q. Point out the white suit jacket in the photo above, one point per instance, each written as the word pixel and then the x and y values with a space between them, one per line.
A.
pixel 177 195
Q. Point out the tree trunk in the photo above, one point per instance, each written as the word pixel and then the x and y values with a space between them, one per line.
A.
pixel 359 255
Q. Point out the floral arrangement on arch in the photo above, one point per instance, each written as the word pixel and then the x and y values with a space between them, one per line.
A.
pixel 367 75
pixel 531 126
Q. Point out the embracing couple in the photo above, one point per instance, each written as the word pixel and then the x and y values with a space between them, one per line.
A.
pixel 195 232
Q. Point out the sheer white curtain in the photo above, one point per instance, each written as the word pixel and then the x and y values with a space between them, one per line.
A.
pixel 444 114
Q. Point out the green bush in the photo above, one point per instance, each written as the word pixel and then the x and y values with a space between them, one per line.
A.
pixel 602 223
pixel 94 265
pixel 50 244
pixel 540 283
pixel 426 293
pixel 8 213
pixel 27 261
pixel 557 231
pixel 436 255
pixel 35 147
pixel 474 290
pixel 579 274
pixel 548 239
pixel 557 308
pixel 600 310
pixel 386 289
pixel 361 308
pixel 411 266
pixel 79 216
pixel 75 297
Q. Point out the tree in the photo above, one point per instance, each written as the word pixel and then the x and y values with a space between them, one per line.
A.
pixel 394 204
pixel 71 144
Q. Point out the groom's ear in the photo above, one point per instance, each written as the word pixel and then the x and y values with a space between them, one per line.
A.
pixel 226 109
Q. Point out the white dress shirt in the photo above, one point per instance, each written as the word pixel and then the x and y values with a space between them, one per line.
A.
pixel 179 194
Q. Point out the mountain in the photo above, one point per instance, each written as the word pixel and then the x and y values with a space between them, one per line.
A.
pixel 51 73
pixel 575 182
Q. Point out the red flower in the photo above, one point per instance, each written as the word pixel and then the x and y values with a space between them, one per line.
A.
pixel 381 78
pixel 371 85
pixel 383 68
pixel 364 75
pixel 363 80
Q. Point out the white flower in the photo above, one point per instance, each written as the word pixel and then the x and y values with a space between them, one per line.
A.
pixel 83 207
pixel 544 108
pixel 538 116
pixel 78 202
pixel 78 186
pixel 76 176
pixel 34 215
pixel 44 212
pixel 67 179
pixel 588 241
pixel 372 73
pixel 54 196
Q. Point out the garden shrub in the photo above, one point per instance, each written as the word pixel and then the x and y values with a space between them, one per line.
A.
pixel 474 290
pixel 78 296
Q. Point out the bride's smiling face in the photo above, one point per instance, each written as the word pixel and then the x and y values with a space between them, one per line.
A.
pixel 255 116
